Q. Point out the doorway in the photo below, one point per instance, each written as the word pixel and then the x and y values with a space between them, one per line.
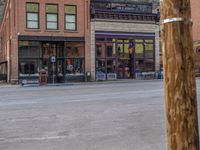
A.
pixel 125 51
pixel 51 53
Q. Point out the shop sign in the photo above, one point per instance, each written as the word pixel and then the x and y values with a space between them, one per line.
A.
pixel 53 59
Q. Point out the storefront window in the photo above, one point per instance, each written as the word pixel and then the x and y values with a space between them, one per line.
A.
pixel 139 50
pixel 110 48
pixel 149 50
pixel 120 50
pixel 100 66
pixel 29 67
pixel 111 64
pixel 29 49
pixel 100 51
pixel 26 51
pixel 149 65
pixel 48 50
pixel 75 63
pixel 140 66
pixel 139 41
pixel 29 58
pixel 75 66
pixel 126 50
pixel 73 49
pixel 124 56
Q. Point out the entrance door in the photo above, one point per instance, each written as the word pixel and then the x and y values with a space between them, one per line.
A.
pixel 125 60
pixel 49 51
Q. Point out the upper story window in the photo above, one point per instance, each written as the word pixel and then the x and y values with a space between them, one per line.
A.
pixel 51 16
pixel 32 15
pixel 70 17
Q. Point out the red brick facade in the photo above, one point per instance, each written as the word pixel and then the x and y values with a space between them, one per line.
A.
pixel 195 5
pixel 14 25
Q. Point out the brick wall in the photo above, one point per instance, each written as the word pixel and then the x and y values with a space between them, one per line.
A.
pixel 14 24
pixel 195 7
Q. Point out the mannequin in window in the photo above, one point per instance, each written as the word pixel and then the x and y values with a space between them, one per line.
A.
pixel 70 67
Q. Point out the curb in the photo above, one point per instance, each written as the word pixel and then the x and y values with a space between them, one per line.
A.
pixel 81 83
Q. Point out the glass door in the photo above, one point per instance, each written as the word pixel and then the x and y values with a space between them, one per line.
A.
pixel 49 51
pixel 125 60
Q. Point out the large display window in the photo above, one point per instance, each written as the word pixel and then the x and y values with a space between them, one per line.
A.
pixel 106 57
pixel 29 58
pixel 124 56
pixel 69 59
pixel 75 58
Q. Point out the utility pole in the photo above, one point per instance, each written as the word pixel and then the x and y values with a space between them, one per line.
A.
pixel 179 76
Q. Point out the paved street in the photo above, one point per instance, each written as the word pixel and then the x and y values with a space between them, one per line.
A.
pixel 115 116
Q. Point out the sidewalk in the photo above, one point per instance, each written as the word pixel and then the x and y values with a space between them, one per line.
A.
pixel 102 82
pixel 6 85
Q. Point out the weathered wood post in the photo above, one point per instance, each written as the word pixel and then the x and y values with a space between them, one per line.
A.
pixel 179 76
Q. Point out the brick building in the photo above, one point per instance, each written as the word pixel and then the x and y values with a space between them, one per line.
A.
pixel 195 5
pixel 112 39
pixel 124 39
pixel 35 32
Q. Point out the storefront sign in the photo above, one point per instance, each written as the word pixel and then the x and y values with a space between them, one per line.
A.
pixel 53 59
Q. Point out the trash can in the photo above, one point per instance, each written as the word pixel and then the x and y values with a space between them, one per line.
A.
pixel 60 78
pixel 88 76
pixel 43 77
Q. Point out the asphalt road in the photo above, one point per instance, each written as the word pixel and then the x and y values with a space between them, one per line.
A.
pixel 115 116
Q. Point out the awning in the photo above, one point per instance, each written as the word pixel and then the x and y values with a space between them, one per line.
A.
pixel 3 62
pixel 51 38
pixel 118 34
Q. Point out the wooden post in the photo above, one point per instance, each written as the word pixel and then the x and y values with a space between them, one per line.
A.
pixel 179 76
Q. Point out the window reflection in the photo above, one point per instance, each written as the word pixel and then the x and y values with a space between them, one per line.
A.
pixel 100 66
pixel 29 67
pixel 74 66
pixel 99 51
pixel 124 56
pixel 111 66
pixel 149 50
pixel 111 50
pixel 73 49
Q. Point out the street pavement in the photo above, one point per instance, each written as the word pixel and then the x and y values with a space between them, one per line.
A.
pixel 114 116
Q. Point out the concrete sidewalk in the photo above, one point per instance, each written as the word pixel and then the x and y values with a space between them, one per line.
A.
pixel 94 82
pixel 6 85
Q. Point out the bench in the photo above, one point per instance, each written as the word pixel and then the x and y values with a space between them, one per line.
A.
pixel 145 75
pixel 148 75
pixel 29 82
pixel 100 77
pixel 111 76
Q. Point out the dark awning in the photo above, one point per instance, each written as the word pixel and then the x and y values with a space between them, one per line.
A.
pixel 51 38
pixel 3 62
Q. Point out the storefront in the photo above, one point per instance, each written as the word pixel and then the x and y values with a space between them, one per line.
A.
pixel 123 55
pixel 3 70
pixel 63 61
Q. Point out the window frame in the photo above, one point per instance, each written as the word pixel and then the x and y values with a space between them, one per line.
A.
pixel 38 15
pixel 72 58
pixel 57 15
pixel 70 14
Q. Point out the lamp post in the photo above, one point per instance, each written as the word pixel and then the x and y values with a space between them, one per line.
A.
pixel 179 76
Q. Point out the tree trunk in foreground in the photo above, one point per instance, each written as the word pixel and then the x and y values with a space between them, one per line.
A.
pixel 179 76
